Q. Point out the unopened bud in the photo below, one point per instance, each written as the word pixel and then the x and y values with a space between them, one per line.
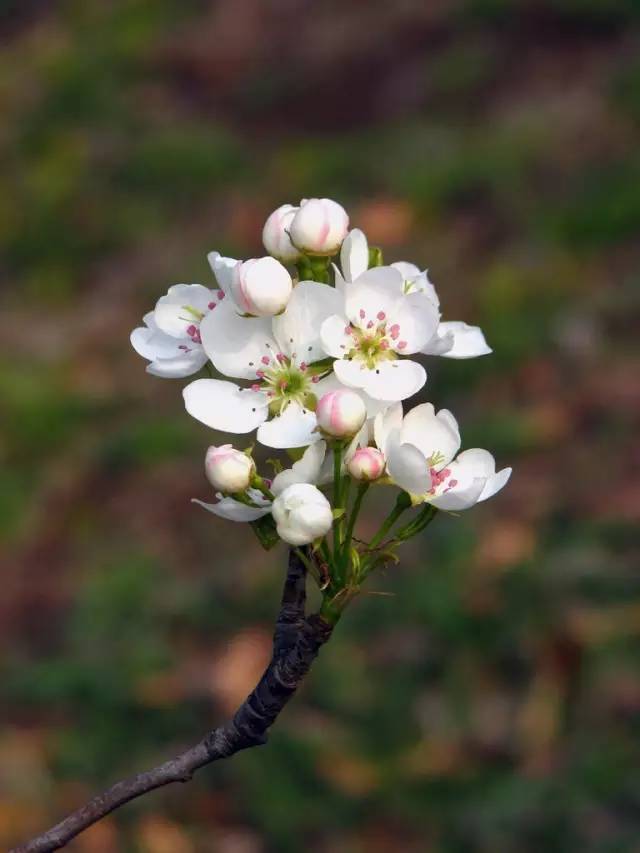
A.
pixel 227 469
pixel 319 226
pixel 275 234
pixel 367 463
pixel 341 413
pixel 261 286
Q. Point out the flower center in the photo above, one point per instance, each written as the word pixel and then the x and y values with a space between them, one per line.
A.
pixel 374 340
pixel 285 381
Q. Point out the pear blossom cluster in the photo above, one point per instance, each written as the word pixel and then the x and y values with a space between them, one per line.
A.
pixel 313 350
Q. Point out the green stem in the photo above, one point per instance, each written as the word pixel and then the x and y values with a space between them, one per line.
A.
pixel 418 524
pixel 403 502
pixel 357 503
pixel 337 479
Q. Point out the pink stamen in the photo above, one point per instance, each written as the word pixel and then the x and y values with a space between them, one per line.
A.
pixel 362 314
pixel 265 359
pixel 315 379
pixel 453 483
pixel 370 324
pixel 394 331
pixel 384 344
pixel 221 295
pixel 347 330
pixel 381 315
pixel 255 387
pixel 281 358
pixel 211 305
pixel 260 374
pixel 402 344
pixel 303 366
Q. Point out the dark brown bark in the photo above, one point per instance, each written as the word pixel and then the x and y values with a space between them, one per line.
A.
pixel 297 640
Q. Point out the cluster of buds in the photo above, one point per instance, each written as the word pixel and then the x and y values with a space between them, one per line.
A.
pixel 315 347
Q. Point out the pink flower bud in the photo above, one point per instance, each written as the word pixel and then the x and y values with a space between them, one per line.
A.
pixel 227 469
pixel 367 463
pixel 319 227
pixel 261 286
pixel 275 234
pixel 341 413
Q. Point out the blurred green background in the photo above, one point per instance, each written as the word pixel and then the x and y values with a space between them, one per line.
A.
pixel 492 703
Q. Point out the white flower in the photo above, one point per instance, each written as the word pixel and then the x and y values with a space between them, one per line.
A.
pixel 366 463
pixel 279 356
pixel 379 323
pixel 275 234
pixel 227 469
pixel 302 513
pixel 341 413
pixel 455 339
pixel 319 226
pixel 234 510
pixel 451 339
pixel 170 339
pixel 420 450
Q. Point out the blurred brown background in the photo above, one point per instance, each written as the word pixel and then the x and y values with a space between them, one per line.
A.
pixel 493 703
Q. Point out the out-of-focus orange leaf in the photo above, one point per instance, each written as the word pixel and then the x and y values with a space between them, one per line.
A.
pixel 239 665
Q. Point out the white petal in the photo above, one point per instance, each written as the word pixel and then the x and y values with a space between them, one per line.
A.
pixel 339 281
pixel 432 434
pixel 305 470
pixel 225 406
pixel 406 269
pixel 169 358
pixel 354 255
pixel 478 461
pixel 377 290
pixel 297 330
pixel 418 319
pixel 183 306
pixel 389 381
pixel 494 483
pixel 293 428
pixel 455 339
pixel 222 269
pixel 406 465
pixel 237 344
pixel 233 510
pixel 180 366
pixel 386 420
pixel 335 340
pixel 465 491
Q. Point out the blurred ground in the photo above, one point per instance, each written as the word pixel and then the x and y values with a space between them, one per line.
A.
pixel 493 703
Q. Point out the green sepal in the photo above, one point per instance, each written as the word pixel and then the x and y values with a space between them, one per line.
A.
pixel 276 465
pixel 338 513
pixel 265 530
pixel 375 257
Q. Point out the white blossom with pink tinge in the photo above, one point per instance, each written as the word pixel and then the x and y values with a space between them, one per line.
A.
pixel 278 356
pixel 452 338
pixel 420 449
pixel 170 339
pixel 341 413
pixel 378 327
